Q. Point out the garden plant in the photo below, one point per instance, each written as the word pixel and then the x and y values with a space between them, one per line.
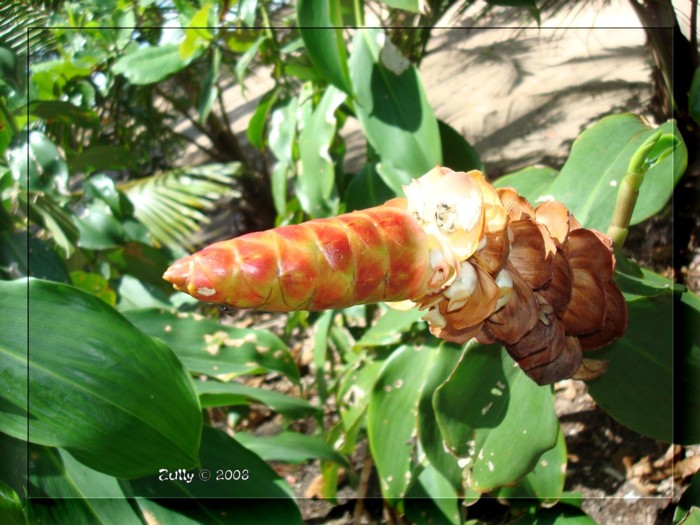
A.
pixel 123 400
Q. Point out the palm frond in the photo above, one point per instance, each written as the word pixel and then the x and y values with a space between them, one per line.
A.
pixel 171 204
pixel 24 28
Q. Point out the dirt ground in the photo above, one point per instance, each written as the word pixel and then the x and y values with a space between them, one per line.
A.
pixel 520 94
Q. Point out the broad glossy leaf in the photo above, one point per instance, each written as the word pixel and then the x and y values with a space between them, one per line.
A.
pixel 316 181
pixel 207 347
pixel 82 349
pixel 283 124
pixel 102 187
pixel 94 497
pixel 390 326
pixel 148 65
pixel 290 447
pixel 320 25
pixel 220 453
pixel 486 406
pixel 36 163
pixel 367 189
pixel 392 417
pixel 219 394
pixel 94 284
pixel 431 440
pixel 546 481
pixel 457 153
pixel 642 357
pixel 558 515
pixel 689 504
pixel 99 229
pixel 532 183
pixel 392 108
pixel 222 511
pixel 18 249
pixel 432 500
pixel 598 162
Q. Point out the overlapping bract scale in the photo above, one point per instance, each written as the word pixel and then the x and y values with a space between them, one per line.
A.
pixel 545 286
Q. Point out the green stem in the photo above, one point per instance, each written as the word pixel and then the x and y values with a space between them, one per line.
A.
pixel 629 191
pixel 359 13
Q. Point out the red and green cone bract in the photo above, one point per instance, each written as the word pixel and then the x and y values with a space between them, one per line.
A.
pixel 482 262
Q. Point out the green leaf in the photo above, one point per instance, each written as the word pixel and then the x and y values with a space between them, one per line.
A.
pixel 531 183
pixel 209 91
pixel 457 153
pixel 689 505
pixel 148 65
pixel 102 187
pixel 221 455
pixel 11 508
pixel 588 182
pixel 95 497
pixel 290 447
pixel 281 137
pixel 694 98
pixel 546 481
pixel 44 211
pixel 431 440
pixel 315 182
pixel 18 249
pixel 169 204
pixel 392 416
pixel 320 25
pixel 486 406
pixel 390 327
pixel 99 229
pixel 92 375
pixel 432 500
pixel 212 348
pixel 407 5
pixel 558 515
pixel 197 34
pixel 247 57
pixel 687 312
pixel 36 163
pixel 59 111
pixel 393 109
pixel 367 189
pixel 94 284
pixel 354 391
pixel 218 394
pixel 642 357
pixel 101 158
pixel 256 126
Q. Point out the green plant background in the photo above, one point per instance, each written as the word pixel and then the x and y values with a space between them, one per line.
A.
pixel 125 377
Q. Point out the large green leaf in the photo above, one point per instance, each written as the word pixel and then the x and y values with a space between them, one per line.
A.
pixel 393 109
pixel 315 183
pixel 532 183
pixel 207 347
pixel 219 394
pixel 457 153
pixel 37 164
pixel 221 453
pixel 588 182
pixel 407 5
pixel 432 500
pixel 390 327
pixel 687 312
pixel 546 481
pixel 321 27
pixel 367 189
pixel 642 357
pixel 94 497
pixel 392 416
pixel 11 508
pixel 92 374
pixel 488 406
pixel 290 447
pixel 148 65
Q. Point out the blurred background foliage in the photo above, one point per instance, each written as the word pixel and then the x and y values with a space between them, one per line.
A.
pixel 98 200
